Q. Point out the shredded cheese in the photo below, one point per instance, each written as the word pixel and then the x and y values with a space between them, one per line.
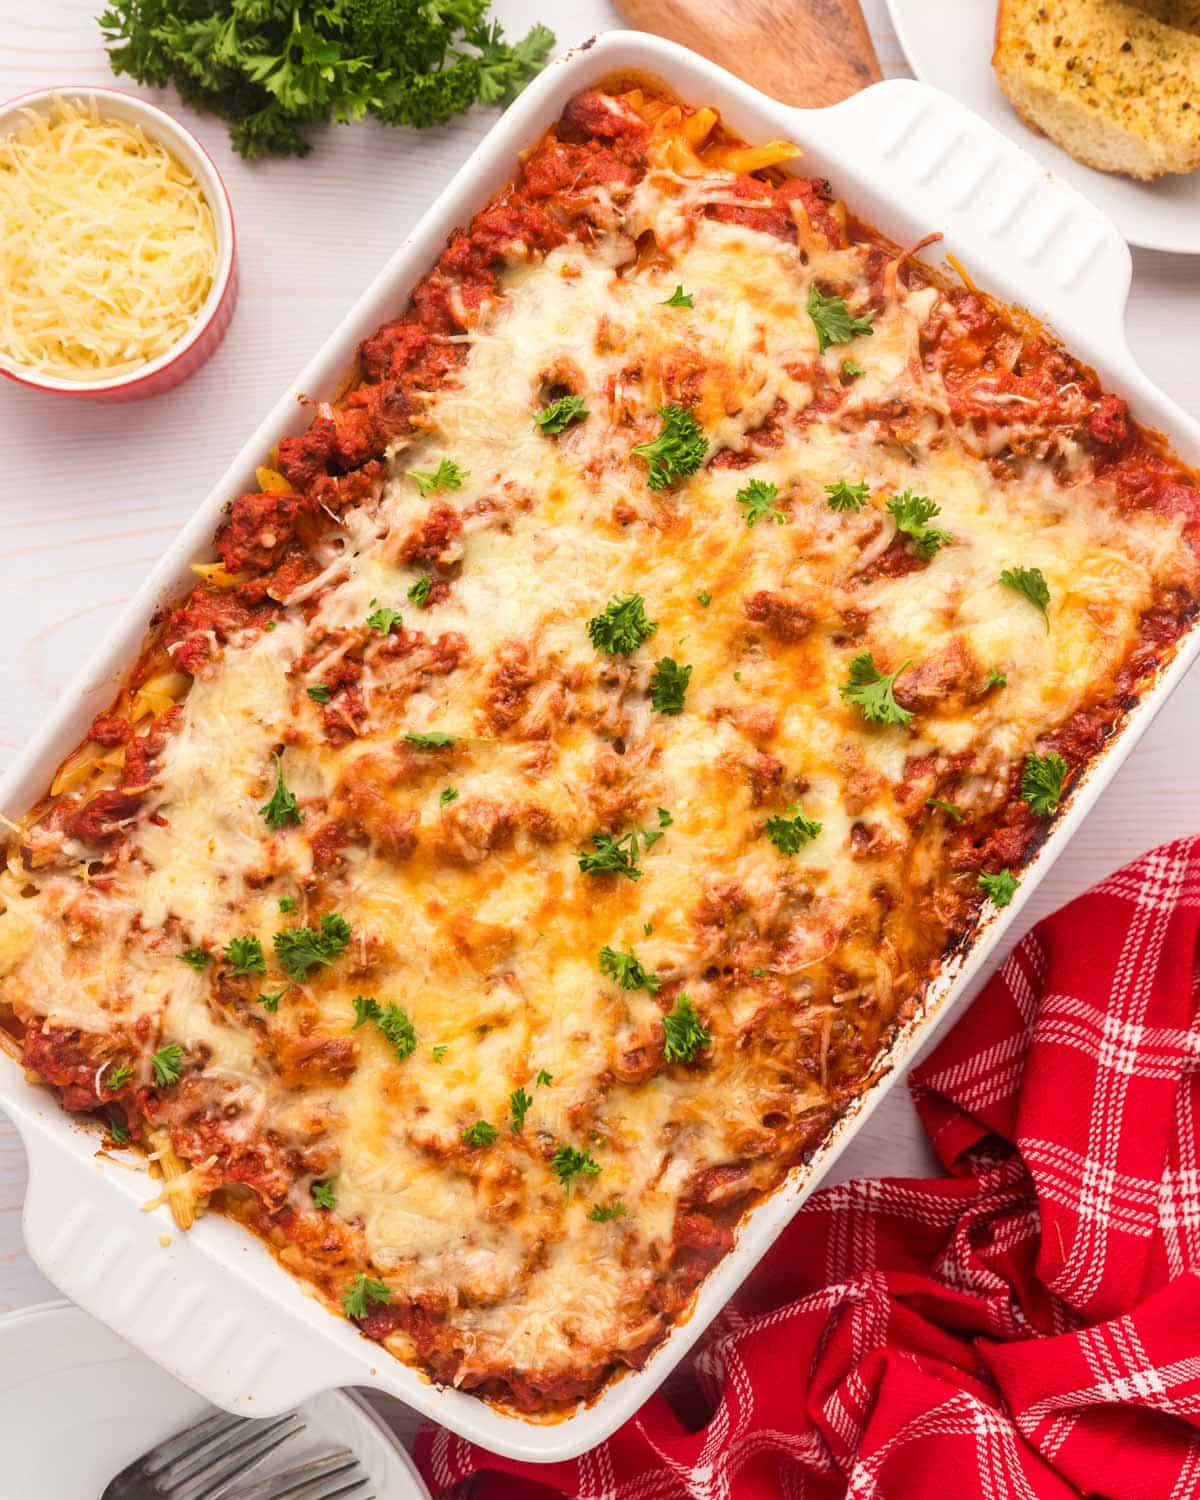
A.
pixel 107 245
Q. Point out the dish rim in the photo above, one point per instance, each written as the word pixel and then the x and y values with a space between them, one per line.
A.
pixel 180 141
pixel 1091 290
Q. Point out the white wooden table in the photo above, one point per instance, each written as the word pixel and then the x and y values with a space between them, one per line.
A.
pixel 89 495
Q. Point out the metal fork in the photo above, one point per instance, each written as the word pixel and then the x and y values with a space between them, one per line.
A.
pixel 212 1460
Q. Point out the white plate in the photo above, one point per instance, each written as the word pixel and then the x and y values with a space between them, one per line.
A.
pixel 949 43
pixel 77 1404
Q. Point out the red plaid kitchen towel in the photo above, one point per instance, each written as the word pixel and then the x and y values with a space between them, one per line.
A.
pixel 1026 1327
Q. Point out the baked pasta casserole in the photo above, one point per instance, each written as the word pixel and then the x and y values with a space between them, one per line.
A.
pixel 577 758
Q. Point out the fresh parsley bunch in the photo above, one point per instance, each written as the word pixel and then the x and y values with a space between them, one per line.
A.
pixel 273 68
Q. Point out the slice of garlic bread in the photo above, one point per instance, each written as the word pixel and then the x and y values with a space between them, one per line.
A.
pixel 1114 82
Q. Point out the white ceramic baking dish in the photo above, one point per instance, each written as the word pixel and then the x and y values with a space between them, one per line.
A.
pixel 212 1306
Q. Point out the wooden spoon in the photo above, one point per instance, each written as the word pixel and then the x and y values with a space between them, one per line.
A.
pixel 806 52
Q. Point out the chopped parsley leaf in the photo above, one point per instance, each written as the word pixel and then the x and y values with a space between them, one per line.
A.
pixel 790 834
pixel 447 795
pixel 913 514
pixel 951 809
pixel 543 1079
pixel 365 1010
pixel 678 298
pixel 999 888
pixel 195 958
pixel 704 598
pixel 601 1213
pixel 166 1063
pixel 755 501
pixel 480 1134
pixel 435 739
pixel 393 1021
pixel 623 626
pixel 628 970
pixel 995 679
pixel 668 686
pixel 300 950
pixel 323 1194
pixel 418 594
pixel 833 320
pixel 851 370
pixel 447 476
pixel 1042 779
pixel 677 451
pixel 518 1107
pixel 615 856
pixel 287 903
pixel 383 619
pixel 1031 584
pixel 843 496
pixel 567 1163
pixel 283 808
pixel 684 1034
pixel 319 693
pixel 558 415
pixel 270 1003
pixel 118 1130
pixel 118 1078
pixel 872 691
pixel 244 955
pixel 647 928
pixel 361 1294
pixel 439 1051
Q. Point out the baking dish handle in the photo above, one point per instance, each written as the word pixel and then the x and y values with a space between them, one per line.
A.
pixel 992 201
pixel 204 1318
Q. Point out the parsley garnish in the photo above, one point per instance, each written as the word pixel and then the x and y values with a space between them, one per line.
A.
pixel 755 501
pixel 871 691
pixel 684 1033
pixel 244 955
pixel 383 619
pixel 362 1292
pixel 118 1078
pixel 392 1021
pixel 270 1003
pixel 166 1063
pixel 843 496
pixel 447 476
pixel 195 958
pixel 287 903
pixel 704 598
pixel 323 1194
pixel 282 809
pixel 832 319
pixel 994 679
pixel 559 415
pixel 435 739
pixel 319 693
pixel 790 834
pixel 619 856
pixel 439 1051
pixel 951 809
pixel 300 950
pixel 1031 584
pixel 518 1106
pixel 1000 888
pixel 677 451
pixel 627 970
pixel 447 795
pixel 668 685
pixel 851 370
pixel 543 1079
pixel 567 1164
pixel 678 298
pixel 600 1213
pixel 623 626
pixel 418 594
pixel 1042 780
pixel 118 1130
pixel 480 1134
pixel 365 1010
pixel 913 514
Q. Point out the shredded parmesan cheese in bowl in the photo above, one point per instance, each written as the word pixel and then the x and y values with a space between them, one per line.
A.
pixel 114 251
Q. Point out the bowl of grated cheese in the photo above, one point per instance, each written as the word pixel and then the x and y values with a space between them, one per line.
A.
pixel 118 271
